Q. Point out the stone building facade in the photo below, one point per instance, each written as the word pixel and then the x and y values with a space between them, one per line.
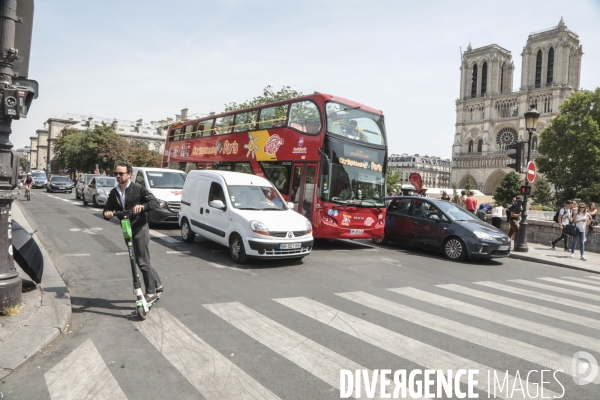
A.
pixel 434 171
pixel 490 116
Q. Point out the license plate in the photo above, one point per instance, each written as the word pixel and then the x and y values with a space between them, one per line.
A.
pixel 287 246
pixel 503 248
pixel 357 231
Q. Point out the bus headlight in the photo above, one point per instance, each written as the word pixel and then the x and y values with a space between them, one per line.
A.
pixel 260 228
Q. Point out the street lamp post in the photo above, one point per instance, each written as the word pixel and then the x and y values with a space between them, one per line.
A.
pixel 531 121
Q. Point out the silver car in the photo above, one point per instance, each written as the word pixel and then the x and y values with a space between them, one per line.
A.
pixel 97 190
pixel 82 183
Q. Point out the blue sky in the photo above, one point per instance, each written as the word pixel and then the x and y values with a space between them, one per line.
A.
pixel 132 59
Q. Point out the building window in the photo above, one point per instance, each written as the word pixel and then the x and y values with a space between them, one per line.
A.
pixel 505 137
pixel 470 149
pixel 550 66
pixel 534 143
pixel 474 82
pixel 480 146
pixel 538 69
pixel 483 79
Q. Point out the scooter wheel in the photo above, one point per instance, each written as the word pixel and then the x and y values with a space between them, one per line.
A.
pixel 141 313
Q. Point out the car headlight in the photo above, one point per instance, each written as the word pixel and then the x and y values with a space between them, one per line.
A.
pixel 101 192
pixel 162 203
pixel 308 228
pixel 483 235
pixel 260 228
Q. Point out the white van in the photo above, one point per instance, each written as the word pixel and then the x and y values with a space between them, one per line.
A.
pixel 243 212
pixel 166 185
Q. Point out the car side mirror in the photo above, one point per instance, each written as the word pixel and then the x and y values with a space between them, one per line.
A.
pixel 290 205
pixel 217 204
pixel 435 218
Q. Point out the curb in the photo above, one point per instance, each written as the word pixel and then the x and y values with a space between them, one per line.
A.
pixel 553 263
pixel 46 313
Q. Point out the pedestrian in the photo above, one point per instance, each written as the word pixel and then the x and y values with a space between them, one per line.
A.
pixel 128 195
pixel 471 203
pixel 593 214
pixel 581 218
pixel 445 196
pixel 462 198
pixel 483 211
pixel 515 214
pixel 564 216
pixel 497 212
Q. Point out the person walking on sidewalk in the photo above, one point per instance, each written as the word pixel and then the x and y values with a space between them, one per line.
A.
pixel 593 214
pixel 497 215
pixel 461 199
pixel 471 203
pixel 564 216
pixel 128 195
pixel 581 218
pixel 515 214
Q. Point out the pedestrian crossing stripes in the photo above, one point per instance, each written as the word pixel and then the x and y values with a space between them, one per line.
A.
pixel 567 283
pixel 216 376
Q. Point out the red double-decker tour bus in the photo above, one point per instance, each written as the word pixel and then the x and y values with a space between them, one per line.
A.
pixel 325 154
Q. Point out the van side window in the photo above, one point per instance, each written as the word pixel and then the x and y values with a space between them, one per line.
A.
pixel 216 193
pixel 140 178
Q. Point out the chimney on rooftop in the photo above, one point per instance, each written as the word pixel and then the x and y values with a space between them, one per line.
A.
pixel 138 124
pixel 115 125
pixel 91 122
pixel 177 117
pixel 169 121
pixel 184 113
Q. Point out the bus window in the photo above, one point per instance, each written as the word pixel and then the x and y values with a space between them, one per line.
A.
pixel 190 131
pixel 355 124
pixel 244 168
pixel 278 173
pixel 205 127
pixel 175 134
pixel 223 125
pixel 305 117
pixel 273 117
pixel 245 121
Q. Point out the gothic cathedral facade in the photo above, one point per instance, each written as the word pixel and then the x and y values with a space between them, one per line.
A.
pixel 489 115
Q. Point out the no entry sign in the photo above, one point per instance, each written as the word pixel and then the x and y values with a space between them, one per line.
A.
pixel 531 171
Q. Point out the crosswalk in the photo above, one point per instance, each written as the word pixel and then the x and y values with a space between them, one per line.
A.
pixel 490 317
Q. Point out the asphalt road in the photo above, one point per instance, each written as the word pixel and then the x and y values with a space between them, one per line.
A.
pixel 284 329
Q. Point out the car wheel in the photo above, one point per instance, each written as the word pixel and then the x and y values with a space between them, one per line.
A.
pixel 187 235
pixel 382 240
pixel 95 202
pixel 237 250
pixel 71 191
pixel 77 196
pixel 454 249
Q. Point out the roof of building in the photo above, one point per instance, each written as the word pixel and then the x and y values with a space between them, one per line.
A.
pixel 124 127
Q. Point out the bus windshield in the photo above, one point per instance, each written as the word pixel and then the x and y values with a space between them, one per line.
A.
pixel 353 123
pixel 256 198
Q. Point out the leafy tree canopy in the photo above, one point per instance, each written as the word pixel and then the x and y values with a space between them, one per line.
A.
pixel 393 179
pixel 23 163
pixel 542 194
pixel 570 148
pixel 509 188
pixel 269 96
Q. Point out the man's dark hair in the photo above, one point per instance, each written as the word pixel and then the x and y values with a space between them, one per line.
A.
pixel 126 165
pixel 519 198
pixel 463 192
pixel 569 202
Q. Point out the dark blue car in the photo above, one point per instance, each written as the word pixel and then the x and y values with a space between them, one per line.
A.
pixel 443 226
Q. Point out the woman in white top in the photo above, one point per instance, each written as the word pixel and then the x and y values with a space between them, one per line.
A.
pixel 497 213
pixel 581 218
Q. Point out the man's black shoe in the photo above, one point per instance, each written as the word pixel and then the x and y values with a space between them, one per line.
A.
pixel 552 245
pixel 160 289
pixel 150 297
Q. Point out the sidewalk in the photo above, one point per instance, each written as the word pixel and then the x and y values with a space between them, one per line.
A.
pixel 544 254
pixel 46 312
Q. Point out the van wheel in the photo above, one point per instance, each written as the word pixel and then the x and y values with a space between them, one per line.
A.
pixel 237 250
pixel 187 235
pixel 455 249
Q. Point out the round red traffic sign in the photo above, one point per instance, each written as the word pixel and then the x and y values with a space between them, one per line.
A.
pixel 531 171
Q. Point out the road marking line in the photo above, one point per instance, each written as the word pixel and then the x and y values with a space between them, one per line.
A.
pixel 340 250
pixel 556 289
pixel 523 305
pixel 551 332
pixel 594 277
pixel 579 285
pixel 542 296
pixel 211 373
pixel 220 266
pixel 78 255
pixel 94 380
pixel 164 237
pixel 121 254
pixel 318 360
pixel 403 346
pixel 179 252
pixel 77 203
pixel 581 280
pixel 371 250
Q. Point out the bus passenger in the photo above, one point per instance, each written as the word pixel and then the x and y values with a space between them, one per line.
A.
pixel 346 193
pixel 312 126
pixel 281 182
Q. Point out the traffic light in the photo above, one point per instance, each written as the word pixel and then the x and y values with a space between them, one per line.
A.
pixel 526 190
pixel 517 156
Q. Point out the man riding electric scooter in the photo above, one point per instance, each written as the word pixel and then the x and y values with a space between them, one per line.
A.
pixel 128 195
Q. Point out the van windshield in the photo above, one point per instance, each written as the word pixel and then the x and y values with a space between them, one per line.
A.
pixel 166 179
pixel 256 198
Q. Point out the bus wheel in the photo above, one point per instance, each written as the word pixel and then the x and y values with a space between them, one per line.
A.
pixel 236 249
pixel 381 240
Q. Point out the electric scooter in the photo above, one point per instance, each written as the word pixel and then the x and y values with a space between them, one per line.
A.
pixel 142 307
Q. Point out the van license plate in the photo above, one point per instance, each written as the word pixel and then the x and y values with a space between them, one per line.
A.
pixel 287 246
pixel 357 231
pixel 503 248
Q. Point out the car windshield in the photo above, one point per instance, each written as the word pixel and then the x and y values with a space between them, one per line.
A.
pixel 353 123
pixel 38 174
pixel 60 179
pixel 256 198
pixel 107 182
pixel 455 212
pixel 166 179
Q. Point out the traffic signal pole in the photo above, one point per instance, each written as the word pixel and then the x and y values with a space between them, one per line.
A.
pixel 10 283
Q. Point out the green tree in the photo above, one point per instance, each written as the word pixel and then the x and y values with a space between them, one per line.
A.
pixel 269 96
pixel 23 163
pixel 393 179
pixel 455 195
pixel 509 188
pixel 543 194
pixel 140 156
pixel 570 148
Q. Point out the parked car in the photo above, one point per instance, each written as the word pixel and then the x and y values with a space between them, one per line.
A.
pixel 97 190
pixel 40 179
pixel 443 226
pixel 84 179
pixel 245 213
pixel 166 185
pixel 58 183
